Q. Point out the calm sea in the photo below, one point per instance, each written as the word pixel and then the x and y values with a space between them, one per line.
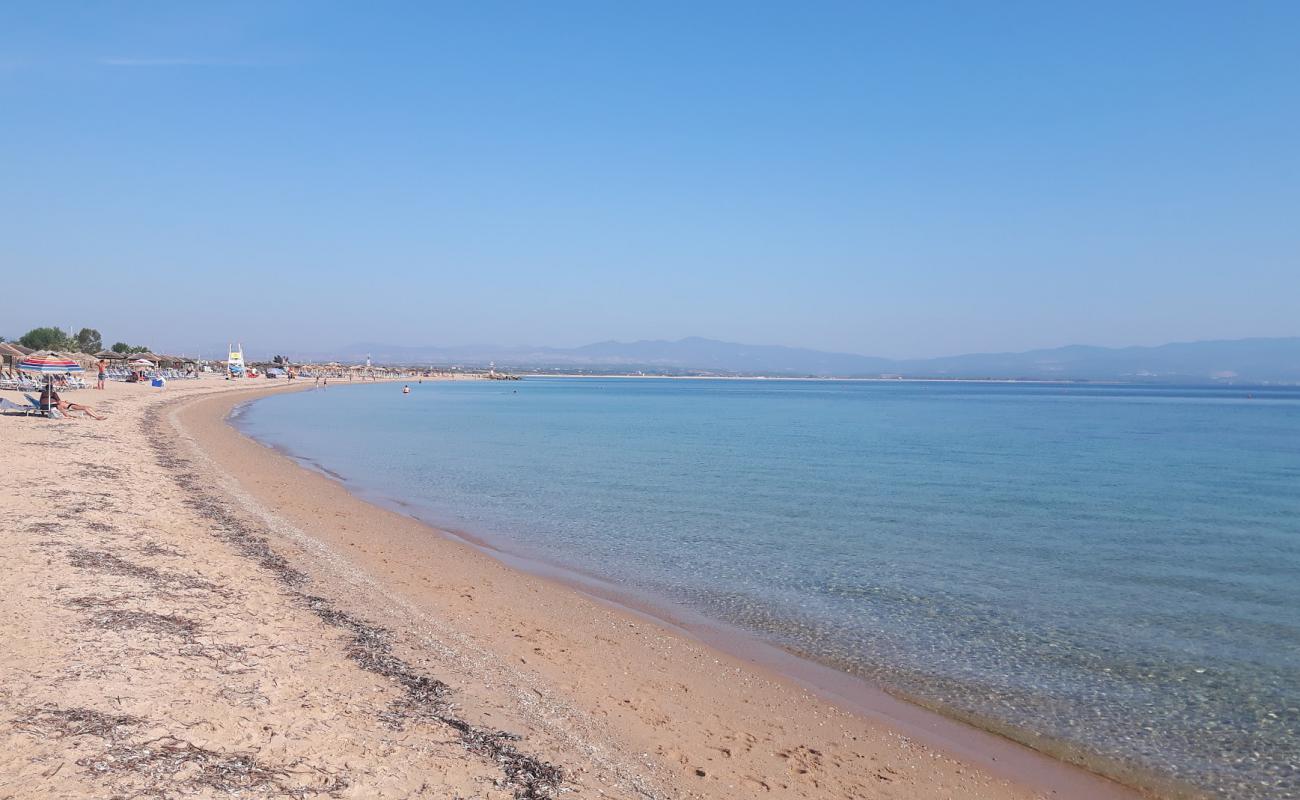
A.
pixel 1114 568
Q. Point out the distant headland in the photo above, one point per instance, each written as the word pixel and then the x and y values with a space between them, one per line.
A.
pixel 1257 361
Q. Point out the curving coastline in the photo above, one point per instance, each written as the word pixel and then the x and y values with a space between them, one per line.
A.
pixel 420 548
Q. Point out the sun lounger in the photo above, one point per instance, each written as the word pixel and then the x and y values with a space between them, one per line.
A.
pixel 51 412
pixel 7 405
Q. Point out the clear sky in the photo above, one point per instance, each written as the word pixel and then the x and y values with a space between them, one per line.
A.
pixel 894 178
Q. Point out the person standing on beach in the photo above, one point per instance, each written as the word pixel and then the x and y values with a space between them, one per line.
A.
pixel 103 374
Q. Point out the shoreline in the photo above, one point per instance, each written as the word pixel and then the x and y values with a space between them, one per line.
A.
pixel 984 741
pixel 874 706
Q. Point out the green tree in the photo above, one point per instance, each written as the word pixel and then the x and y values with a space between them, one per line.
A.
pixel 89 341
pixel 127 349
pixel 45 339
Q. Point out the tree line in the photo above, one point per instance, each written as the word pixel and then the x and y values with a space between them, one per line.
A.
pixel 86 340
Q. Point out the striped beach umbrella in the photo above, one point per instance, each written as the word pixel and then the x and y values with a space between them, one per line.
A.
pixel 50 364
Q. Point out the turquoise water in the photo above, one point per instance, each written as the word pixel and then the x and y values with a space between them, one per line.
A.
pixel 1114 568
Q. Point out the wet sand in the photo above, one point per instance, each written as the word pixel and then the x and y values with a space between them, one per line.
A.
pixel 188 608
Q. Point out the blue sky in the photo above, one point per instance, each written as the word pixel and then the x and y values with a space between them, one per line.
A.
pixel 899 179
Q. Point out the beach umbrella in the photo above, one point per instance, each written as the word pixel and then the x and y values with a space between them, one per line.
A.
pixel 10 353
pixel 84 359
pixel 141 364
pixel 49 364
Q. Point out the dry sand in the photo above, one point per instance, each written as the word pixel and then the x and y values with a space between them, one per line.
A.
pixel 185 612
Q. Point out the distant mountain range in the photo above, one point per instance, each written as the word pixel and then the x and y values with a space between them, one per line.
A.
pixel 1233 361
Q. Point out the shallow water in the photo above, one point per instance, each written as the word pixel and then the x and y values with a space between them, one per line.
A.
pixel 1115 568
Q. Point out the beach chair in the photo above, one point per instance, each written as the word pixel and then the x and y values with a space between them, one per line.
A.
pixel 7 405
pixel 51 412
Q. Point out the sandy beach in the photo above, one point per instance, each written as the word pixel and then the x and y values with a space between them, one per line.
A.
pixel 189 613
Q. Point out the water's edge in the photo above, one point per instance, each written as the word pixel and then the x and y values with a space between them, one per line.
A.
pixel 828 680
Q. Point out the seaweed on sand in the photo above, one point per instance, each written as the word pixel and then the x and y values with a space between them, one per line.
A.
pixel 107 613
pixel 98 470
pixel 51 720
pixel 175 766
pixel 227 526
pixel 155 549
pixel 168 624
pixel 425 698
pixel 370 647
pixel 113 564
pixel 166 766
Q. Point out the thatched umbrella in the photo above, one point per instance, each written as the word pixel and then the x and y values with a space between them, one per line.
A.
pixel 175 362
pixel 11 354
pixel 86 360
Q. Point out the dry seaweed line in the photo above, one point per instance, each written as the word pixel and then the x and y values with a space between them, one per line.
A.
pixel 113 564
pixel 425 697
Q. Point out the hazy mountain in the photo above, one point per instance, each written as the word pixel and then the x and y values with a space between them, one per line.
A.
pixel 692 353
pixel 709 354
pixel 1239 361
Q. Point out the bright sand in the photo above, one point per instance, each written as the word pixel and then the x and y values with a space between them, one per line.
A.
pixel 186 608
